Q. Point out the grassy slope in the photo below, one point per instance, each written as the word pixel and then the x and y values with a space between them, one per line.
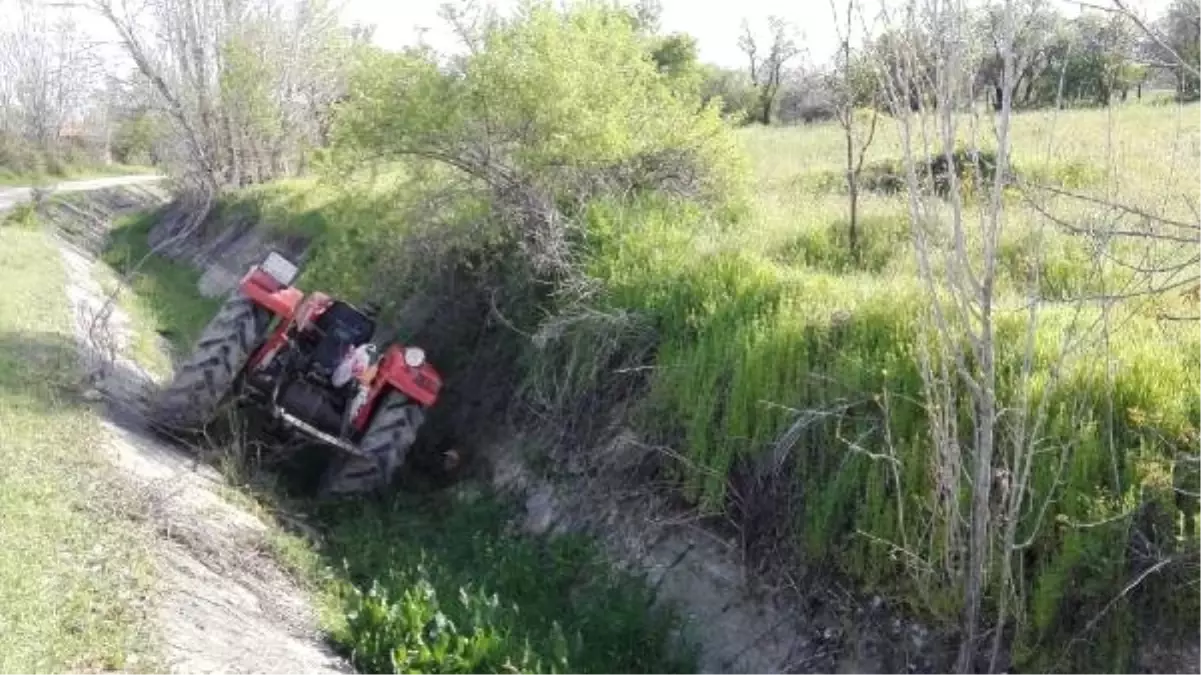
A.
pixel 385 569
pixel 71 567
pixel 163 299
pixel 777 313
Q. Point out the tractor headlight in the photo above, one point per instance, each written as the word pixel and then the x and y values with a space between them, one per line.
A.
pixel 414 357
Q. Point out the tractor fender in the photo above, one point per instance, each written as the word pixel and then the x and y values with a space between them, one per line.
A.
pixel 269 294
pixel 420 384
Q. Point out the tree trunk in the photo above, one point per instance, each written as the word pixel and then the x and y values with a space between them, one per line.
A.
pixel 852 185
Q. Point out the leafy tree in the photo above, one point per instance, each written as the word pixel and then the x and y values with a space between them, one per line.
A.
pixel 135 138
pixel 676 57
pixel 1037 28
pixel 734 90
pixel 244 83
pixel 1176 45
pixel 549 93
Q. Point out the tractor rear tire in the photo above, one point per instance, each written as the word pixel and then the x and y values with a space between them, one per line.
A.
pixel 203 381
pixel 386 442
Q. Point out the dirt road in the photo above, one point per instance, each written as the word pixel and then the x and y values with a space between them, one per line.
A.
pixel 10 197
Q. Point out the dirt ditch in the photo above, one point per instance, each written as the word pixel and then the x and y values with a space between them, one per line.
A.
pixel 223 603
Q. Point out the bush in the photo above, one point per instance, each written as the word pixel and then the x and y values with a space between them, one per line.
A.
pixel 882 239
pixel 570 97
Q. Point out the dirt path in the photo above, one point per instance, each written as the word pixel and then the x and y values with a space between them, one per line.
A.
pixel 225 605
pixel 12 196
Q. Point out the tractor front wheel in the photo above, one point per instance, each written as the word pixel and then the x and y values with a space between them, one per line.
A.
pixel 385 443
pixel 203 381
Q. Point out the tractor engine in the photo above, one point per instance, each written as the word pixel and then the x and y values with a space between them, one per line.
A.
pixel 308 388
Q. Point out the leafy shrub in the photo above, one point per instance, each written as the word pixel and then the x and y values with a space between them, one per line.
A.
pixel 974 169
pixel 412 634
pixel 569 96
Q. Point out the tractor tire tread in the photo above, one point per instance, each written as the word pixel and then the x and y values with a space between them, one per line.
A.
pixel 205 378
pixel 387 440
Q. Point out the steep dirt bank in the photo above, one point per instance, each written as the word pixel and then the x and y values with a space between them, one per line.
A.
pixel 225 605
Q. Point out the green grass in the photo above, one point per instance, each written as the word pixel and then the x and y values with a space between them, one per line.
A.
pixel 164 295
pixel 72 568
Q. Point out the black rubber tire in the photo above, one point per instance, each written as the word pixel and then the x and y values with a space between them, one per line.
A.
pixel 387 440
pixel 203 381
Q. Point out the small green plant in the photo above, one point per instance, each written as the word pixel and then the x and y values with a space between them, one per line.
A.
pixel 435 587
pixel 23 216
pixel 412 634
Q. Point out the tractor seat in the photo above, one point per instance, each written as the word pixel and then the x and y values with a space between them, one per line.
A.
pixel 342 327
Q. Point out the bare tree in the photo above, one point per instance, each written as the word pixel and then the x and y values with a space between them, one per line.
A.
pixel 958 264
pixel 857 142
pixel 766 69
pixel 991 454
pixel 49 73
pixel 244 82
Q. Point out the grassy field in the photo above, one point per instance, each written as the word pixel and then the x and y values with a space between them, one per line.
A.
pixel 72 568
pixel 761 321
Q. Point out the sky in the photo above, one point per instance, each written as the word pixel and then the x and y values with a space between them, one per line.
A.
pixel 715 23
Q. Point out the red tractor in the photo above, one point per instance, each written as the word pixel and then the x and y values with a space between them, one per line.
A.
pixel 308 364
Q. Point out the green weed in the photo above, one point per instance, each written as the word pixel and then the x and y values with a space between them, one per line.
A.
pixel 23 216
pixel 163 293
pixel 442 587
